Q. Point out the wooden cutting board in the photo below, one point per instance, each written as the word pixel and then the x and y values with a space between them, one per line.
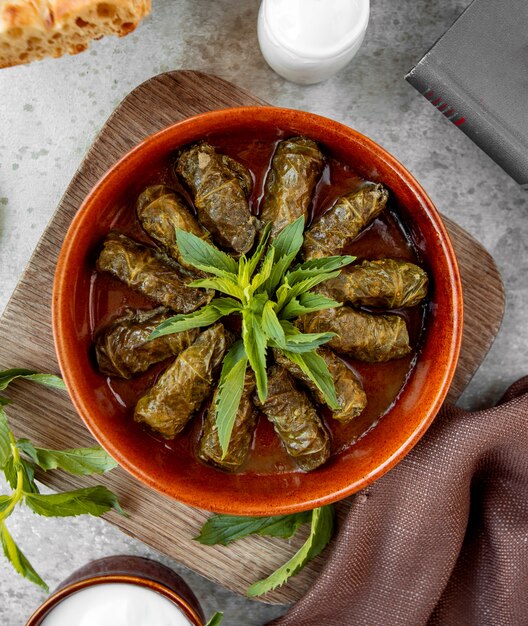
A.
pixel 48 418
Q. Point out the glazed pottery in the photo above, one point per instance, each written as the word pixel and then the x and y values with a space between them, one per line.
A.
pixel 180 475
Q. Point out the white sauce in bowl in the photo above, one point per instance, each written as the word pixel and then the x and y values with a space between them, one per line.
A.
pixel 116 604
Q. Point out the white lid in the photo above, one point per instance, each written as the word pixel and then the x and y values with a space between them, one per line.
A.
pixel 316 29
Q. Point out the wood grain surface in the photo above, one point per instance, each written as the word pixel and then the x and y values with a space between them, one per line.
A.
pixel 48 417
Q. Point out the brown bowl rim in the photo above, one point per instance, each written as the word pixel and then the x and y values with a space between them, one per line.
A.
pixel 61 594
pixel 67 357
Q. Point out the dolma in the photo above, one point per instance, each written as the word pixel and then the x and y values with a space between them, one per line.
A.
pixel 295 420
pixel 341 224
pixel 220 188
pixel 183 387
pixel 350 394
pixel 209 449
pixel 295 169
pixel 362 336
pixel 386 283
pixel 161 211
pixel 122 348
pixel 149 272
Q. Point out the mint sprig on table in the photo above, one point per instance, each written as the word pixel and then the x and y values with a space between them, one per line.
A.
pixel 223 529
pixel 267 293
pixel 18 460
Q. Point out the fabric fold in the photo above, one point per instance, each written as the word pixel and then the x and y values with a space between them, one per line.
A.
pixel 442 539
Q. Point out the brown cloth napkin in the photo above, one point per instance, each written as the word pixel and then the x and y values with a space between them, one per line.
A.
pixel 442 538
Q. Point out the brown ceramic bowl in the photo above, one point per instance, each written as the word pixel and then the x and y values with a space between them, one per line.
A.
pixel 130 570
pixel 177 474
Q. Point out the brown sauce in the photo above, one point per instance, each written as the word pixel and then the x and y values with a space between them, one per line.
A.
pixel 385 237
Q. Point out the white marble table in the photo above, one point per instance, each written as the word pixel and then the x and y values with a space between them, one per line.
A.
pixel 51 111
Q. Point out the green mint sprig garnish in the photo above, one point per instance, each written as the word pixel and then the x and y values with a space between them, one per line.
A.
pixel 18 460
pixel 267 293
pixel 223 529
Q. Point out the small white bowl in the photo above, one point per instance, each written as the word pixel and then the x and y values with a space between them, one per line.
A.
pixel 307 41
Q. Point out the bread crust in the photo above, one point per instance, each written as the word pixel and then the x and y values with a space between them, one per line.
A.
pixel 34 29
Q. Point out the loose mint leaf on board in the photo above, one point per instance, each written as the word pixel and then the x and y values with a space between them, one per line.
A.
pixel 48 380
pixel 89 500
pixel 79 461
pixel 321 531
pixel 223 529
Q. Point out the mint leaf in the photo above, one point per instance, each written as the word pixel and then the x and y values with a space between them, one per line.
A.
pixel 307 303
pixel 306 342
pixel 28 475
pixel 321 532
pixel 271 325
pixel 300 287
pixel 5 501
pixel 4 401
pixel 255 258
pixel 225 285
pixel 79 461
pixel 18 560
pixel 5 438
pixel 315 367
pixel 204 256
pixel 290 239
pixel 48 380
pixel 205 316
pixel 92 500
pixel 255 345
pixel 223 529
pixel 226 306
pixel 216 619
pixel 286 245
pixel 318 266
pixel 264 272
pixel 229 393
pixel 10 472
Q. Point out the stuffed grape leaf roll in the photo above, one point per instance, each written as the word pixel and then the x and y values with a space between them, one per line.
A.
pixel 161 211
pixel 152 274
pixel 295 420
pixel 183 387
pixel 343 222
pixel 122 347
pixel 209 448
pixel 386 283
pixel 220 188
pixel 362 336
pixel 295 169
pixel 350 394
